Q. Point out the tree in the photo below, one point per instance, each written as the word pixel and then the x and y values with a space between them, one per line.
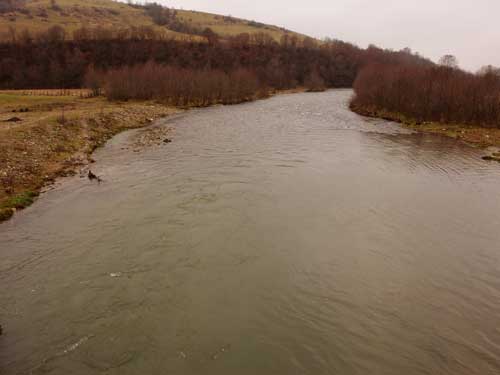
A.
pixel 314 82
pixel 55 34
pixel 211 36
pixel 489 69
pixel 160 15
pixel 449 61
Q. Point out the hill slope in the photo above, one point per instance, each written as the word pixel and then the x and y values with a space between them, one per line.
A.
pixel 39 15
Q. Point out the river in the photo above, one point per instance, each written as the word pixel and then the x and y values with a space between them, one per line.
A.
pixel 284 236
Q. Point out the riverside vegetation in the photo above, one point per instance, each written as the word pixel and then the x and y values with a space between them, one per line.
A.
pixel 436 98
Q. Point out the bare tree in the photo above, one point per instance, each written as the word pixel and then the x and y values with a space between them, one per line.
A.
pixel 449 61
pixel 314 82
pixel 489 69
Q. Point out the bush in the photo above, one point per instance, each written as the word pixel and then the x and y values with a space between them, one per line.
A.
pixel 160 15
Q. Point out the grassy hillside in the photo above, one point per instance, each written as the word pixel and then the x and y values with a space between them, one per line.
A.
pixel 38 15
pixel 227 26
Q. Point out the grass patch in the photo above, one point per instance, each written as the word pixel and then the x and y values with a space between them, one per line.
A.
pixel 20 201
pixel 10 101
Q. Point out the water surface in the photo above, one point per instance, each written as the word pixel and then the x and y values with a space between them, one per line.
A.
pixel 286 236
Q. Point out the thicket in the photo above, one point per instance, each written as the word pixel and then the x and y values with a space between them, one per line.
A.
pixel 178 86
pixel 160 15
pixel 429 93
pixel 167 17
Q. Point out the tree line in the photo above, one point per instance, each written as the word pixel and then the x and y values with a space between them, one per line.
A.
pixel 430 93
pixel 53 61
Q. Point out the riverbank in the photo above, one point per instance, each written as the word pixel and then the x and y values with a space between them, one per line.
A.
pixel 43 137
pixel 474 135
pixel 51 133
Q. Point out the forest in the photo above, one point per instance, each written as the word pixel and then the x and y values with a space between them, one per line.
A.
pixel 52 60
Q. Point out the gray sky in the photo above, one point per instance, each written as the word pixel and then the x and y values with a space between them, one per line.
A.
pixel 469 29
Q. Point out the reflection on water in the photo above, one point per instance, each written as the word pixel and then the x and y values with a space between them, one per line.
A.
pixel 286 236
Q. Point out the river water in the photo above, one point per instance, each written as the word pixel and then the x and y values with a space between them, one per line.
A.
pixel 285 236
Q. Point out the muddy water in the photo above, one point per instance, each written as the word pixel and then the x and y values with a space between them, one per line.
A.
pixel 286 236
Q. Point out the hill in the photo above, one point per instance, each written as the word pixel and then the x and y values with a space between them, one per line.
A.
pixel 37 16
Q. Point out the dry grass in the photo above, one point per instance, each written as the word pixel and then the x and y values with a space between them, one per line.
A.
pixel 230 26
pixel 19 94
pixel 73 14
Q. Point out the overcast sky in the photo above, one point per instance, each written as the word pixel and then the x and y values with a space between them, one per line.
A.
pixel 469 29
